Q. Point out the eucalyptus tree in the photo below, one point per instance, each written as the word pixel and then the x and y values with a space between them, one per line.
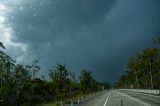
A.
pixel 85 80
pixel 2 46
pixel 13 78
pixel 33 68
pixel 150 56
pixel 157 41
pixel 1 70
pixel 73 82
pixel 122 82
pixel 144 69
pixel 6 70
pixel 7 66
pixel 134 67
pixel 60 78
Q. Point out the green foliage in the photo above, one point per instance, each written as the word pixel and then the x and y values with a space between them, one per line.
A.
pixel 143 71
pixel 86 81
pixel 20 86
pixel 60 78
pixel 33 69
pixel 13 78
pixel 1 45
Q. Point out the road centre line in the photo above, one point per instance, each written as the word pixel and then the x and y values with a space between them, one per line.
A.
pixel 107 99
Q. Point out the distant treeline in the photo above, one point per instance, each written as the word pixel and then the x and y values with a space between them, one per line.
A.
pixel 19 86
pixel 143 70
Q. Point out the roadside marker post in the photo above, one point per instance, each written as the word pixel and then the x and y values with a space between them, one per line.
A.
pixel 121 102
pixel 71 102
pixel 78 100
pixel 61 103
pixel 82 98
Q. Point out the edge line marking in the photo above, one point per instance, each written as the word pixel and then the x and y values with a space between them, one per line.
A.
pixel 145 104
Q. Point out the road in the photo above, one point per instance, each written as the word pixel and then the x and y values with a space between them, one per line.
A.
pixel 122 98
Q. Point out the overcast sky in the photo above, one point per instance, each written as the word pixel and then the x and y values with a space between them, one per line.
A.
pixel 98 35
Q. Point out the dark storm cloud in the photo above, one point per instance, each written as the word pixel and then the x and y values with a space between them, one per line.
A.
pixel 55 17
pixel 99 35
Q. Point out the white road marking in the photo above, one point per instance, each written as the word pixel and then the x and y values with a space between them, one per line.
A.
pixel 145 94
pixel 145 104
pixel 107 99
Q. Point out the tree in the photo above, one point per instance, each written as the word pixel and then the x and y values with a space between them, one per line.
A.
pixel 144 69
pixel 13 78
pixel 150 56
pixel 85 81
pixel 60 79
pixel 134 67
pixel 72 81
pixel 7 67
pixel 2 46
pixel 20 78
pixel 33 69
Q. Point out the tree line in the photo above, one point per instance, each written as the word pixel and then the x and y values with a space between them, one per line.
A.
pixel 143 70
pixel 19 85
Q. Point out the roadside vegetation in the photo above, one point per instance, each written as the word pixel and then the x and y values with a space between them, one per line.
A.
pixel 143 70
pixel 19 85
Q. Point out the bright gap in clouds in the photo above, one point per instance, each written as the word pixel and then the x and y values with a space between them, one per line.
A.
pixel 7 33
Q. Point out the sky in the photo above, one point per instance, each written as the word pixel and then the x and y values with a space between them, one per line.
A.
pixel 97 35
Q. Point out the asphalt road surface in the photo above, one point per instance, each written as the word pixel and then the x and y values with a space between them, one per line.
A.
pixel 122 98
